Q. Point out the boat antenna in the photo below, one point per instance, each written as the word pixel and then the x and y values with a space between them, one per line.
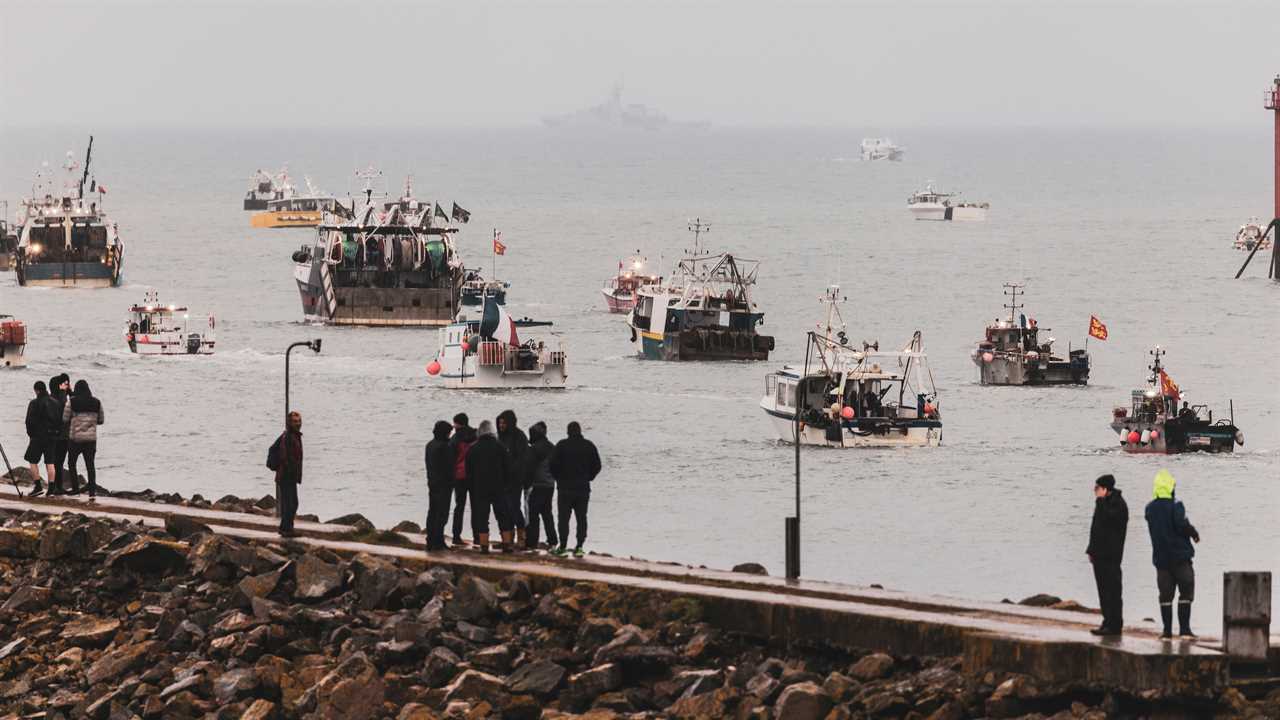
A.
pixel 1155 366
pixel 88 153
pixel 697 227
pixel 1012 290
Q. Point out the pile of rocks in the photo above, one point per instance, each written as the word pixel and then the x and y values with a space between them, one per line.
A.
pixel 115 621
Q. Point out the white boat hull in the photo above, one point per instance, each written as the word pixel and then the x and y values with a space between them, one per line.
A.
pixel 785 430
pixel 13 356
pixel 490 378
pixel 169 344
pixel 491 365
pixel 929 212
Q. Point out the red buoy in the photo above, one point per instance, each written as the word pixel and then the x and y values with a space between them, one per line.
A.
pixel 433 367
pixel 1134 437
pixel 846 412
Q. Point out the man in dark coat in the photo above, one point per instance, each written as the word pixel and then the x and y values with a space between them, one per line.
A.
pixel 1106 550
pixel 59 431
pixel 517 445
pixel 289 473
pixel 464 436
pixel 488 472
pixel 38 448
pixel 1171 553
pixel 574 464
pixel 439 461
pixel 542 486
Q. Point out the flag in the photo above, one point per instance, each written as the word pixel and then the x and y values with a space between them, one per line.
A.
pixel 496 324
pixel 460 214
pixel 498 247
pixel 1096 328
pixel 1168 387
pixel 102 189
pixel 440 213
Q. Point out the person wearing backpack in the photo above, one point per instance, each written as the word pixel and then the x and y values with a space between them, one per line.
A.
pixel 83 415
pixel 285 458
pixel 464 436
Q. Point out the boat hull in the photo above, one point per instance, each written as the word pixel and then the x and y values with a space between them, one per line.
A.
pixel 1014 371
pixel 13 356
pixel 1174 439
pixel 386 307
pixel 255 204
pixel 957 213
pixel 689 345
pixel 548 377
pixel 914 433
pixel 70 274
pixel 285 218
pixel 618 303
pixel 164 345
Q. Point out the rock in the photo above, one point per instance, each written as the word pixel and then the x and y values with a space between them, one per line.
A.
pixel 1007 700
pixel 638 660
pixel 765 687
pixel 184 526
pixel 587 686
pixel 886 704
pixel 475 598
pixel 147 555
pixel 496 659
pixel 416 711
pixel 63 540
pixel 18 543
pixel 266 502
pixel 28 598
pixel 122 660
pixel 540 677
pixel 1040 600
pixel 872 667
pixel 696 682
pixel 474 633
pixel 716 704
pixel 441 666
pixel 552 614
pixel 840 687
pixel 352 691
pixel 802 701
pixel 90 631
pixel 516 586
pixel 375 581
pixel 355 520
pixel 315 579
pixel 195 682
pixel 13 648
pixel 260 586
pixel 475 685
pixel 750 568
pixel 596 631
pixel 235 685
pixel 625 636
pixel 260 710
pixel 407 526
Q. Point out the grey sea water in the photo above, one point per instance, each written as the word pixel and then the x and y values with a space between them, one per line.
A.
pixel 1131 225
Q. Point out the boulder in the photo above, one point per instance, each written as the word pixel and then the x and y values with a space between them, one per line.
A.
pixel 872 667
pixel 441 666
pixel 750 568
pixel 90 631
pixel 13 648
pixel 625 636
pixel 235 685
pixel 266 502
pixel 802 701
pixel 196 683
pixel 475 598
pixel 695 682
pixel 18 543
pixel 764 687
pixel 375 581
pixel 540 677
pixel 260 710
pixel 886 704
pixel 184 526
pixel 1040 600
pixel 352 691
pixel 316 579
pixel 638 661
pixel 474 633
pixel 28 598
pixel 259 586
pixel 475 685
pixel 716 704
pixel 63 539
pixel 588 685
pixel 149 556
pixel 355 520
pixel 407 526
pixel 120 661
pixel 840 687
pixel 495 659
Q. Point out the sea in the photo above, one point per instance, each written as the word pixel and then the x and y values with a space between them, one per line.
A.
pixel 1131 225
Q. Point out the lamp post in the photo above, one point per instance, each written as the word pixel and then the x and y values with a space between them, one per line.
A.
pixel 793 523
pixel 314 346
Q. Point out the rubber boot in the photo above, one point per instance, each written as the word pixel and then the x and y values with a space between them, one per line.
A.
pixel 483 540
pixel 1184 620
pixel 507 545
pixel 1166 616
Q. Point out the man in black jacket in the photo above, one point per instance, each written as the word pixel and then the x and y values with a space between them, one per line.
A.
pixel 464 436
pixel 488 473
pixel 1106 550
pixel 289 473
pixel 38 448
pixel 542 486
pixel 439 461
pixel 574 464
pixel 59 431
pixel 517 445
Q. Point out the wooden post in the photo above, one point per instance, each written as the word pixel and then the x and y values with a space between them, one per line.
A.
pixel 1246 615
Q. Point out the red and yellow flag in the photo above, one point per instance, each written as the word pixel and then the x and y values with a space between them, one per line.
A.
pixel 1168 387
pixel 1096 328
pixel 498 247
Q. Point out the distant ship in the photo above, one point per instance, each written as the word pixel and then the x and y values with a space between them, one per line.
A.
pixel 613 114
pixel 881 149
pixel 929 204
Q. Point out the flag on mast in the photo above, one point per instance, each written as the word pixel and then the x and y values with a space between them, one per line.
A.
pixel 460 214
pixel 498 247
pixel 1096 328
pixel 1168 387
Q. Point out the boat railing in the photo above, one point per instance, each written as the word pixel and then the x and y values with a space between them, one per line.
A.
pixel 492 354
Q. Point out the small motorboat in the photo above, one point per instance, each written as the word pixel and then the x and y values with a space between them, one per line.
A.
pixel 155 329
pixel 620 290
pixel 1153 423
pixel 929 204
pixel 487 354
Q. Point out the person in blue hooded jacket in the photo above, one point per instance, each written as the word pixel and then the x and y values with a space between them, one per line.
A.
pixel 1171 552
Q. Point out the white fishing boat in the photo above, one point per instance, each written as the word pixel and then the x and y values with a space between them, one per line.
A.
pixel 1250 235
pixel 155 329
pixel 881 149
pixel 487 354
pixel 929 204
pixel 845 397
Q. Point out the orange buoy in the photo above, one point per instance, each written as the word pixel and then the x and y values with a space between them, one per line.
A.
pixel 1134 437
pixel 433 367
pixel 846 412
pixel 988 357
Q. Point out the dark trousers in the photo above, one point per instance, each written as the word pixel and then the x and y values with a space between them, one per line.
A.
pixel 89 450
pixel 482 502
pixel 514 498
pixel 287 499
pixel 1107 575
pixel 575 502
pixel 459 506
pixel 59 460
pixel 539 514
pixel 1181 577
pixel 438 497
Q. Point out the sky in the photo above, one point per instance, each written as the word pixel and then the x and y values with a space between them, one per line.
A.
pixel 494 63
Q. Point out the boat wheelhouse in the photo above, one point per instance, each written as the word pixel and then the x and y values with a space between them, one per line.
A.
pixel 620 290
pixel 156 329
pixel 263 188
pixel 380 266
pixel 487 354
pixel 930 204
pixel 1013 354
pixel 704 313
pixel 1153 422
pixel 8 239
pixel 845 397
pixel 66 239
pixel 13 342
pixel 475 289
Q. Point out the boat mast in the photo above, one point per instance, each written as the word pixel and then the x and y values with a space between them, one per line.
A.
pixel 1012 290
pixel 697 227
pixel 1155 366
pixel 88 154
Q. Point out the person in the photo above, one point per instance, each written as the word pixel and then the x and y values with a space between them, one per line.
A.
pixel 542 487
pixel 288 448
pixel 439 461
pixel 574 464
pixel 38 448
pixel 464 436
pixel 82 414
pixel 58 430
pixel 1106 550
pixel 1186 411
pixel 517 445
pixel 488 470
pixel 1171 553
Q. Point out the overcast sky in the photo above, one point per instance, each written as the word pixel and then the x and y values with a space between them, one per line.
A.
pixel 494 63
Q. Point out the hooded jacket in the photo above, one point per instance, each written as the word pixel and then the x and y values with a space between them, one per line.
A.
pixel 488 465
pixel 55 405
pixel 463 438
pixel 1171 532
pixel 575 463
pixel 538 460
pixel 82 414
pixel 439 457
pixel 38 417
pixel 517 445
pixel 1109 528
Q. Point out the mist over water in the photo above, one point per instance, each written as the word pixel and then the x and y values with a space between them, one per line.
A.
pixel 1132 226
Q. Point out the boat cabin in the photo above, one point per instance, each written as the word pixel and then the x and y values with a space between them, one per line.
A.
pixel 302 204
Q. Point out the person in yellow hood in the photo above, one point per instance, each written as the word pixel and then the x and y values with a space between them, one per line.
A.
pixel 1171 553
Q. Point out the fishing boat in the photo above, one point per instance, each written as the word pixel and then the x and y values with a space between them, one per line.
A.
pixel 380 266
pixel 848 397
pixel 13 342
pixel 8 239
pixel 66 239
pixel 1013 354
pixel 929 204
pixel 488 354
pixel 1251 235
pixel 620 290
pixel 881 149
pixel 293 210
pixel 264 187
pixel 704 312
pixel 1153 422
pixel 156 329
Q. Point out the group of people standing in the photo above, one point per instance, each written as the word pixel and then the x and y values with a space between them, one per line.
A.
pixel 62 427
pixel 512 476
pixel 1171 553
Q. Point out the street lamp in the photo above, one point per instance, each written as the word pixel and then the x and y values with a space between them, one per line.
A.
pixel 314 346
pixel 793 523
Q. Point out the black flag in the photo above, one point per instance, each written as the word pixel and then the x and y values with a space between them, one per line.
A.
pixel 460 215
pixel 440 213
